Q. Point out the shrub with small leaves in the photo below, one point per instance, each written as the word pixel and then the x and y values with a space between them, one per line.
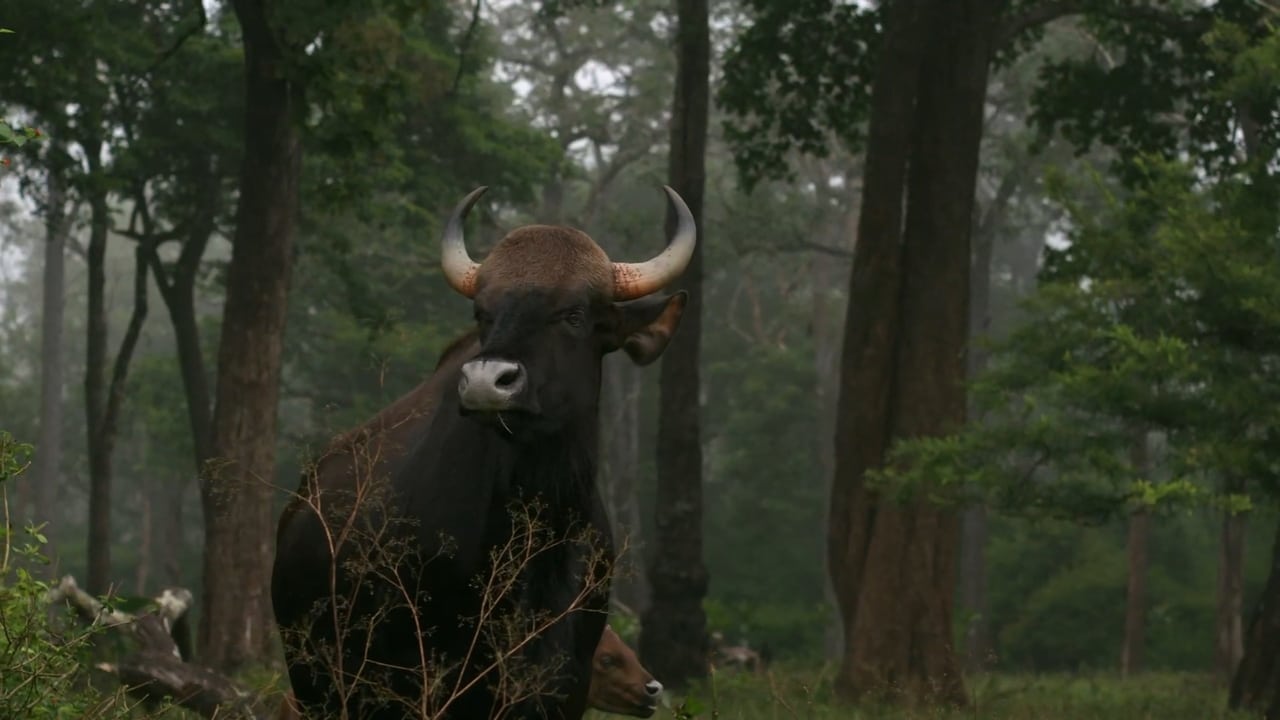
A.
pixel 42 660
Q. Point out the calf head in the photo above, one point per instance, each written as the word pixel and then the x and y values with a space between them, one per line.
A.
pixel 619 683
pixel 549 304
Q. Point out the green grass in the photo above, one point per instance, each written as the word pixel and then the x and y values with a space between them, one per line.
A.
pixel 788 694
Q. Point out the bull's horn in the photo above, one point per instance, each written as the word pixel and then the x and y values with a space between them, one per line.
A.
pixel 633 280
pixel 459 269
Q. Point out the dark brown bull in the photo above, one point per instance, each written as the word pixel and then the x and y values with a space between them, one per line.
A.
pixel 619 683
pixel 510 415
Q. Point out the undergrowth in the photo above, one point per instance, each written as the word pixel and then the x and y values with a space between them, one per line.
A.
pixel 806 694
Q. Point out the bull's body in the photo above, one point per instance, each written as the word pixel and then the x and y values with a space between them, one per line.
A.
pixel 385 586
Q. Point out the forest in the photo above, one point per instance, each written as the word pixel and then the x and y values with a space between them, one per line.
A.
pixel 965 403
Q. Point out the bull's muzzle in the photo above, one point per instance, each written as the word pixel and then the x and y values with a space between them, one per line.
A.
pixel 490 385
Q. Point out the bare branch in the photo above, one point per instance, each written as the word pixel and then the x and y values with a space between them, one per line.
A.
pixel 466 45
pixel 201 20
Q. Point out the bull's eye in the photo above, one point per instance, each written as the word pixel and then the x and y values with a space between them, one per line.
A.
pixel 608 661
pixel 574 317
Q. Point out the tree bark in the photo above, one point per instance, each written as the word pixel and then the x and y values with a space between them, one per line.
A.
pixel 978 648
pixel 1229 638
pixel 237 485
pixel 102 400
pixel 48 459
pixel 673 639
pixel 1133 650
pixel 1133 647
pixel 1256 686
pixel 894 566
pixel 178 289
pixel 99 550
pixel 827 319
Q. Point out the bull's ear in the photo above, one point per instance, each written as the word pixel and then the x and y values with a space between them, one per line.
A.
pixel 644 327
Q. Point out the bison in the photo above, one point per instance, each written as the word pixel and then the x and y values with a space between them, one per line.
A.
pixel 619 683
pixel 406 581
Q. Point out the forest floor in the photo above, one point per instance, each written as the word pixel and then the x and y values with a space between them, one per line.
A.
pixel 806 695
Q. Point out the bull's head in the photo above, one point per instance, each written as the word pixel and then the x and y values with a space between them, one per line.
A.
pixel 549 304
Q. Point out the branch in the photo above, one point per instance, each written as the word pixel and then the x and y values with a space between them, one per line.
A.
pixel 465 45
pixel 120 370
pixel 173 233
pixel 1050 10
pixel 157 671
pixel 201 20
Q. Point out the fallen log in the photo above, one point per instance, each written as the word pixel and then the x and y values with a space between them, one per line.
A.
pixel 160 670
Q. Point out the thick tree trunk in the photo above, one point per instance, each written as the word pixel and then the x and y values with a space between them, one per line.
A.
pixel 673 639
pixel 894 567
pixel 237 485
pixel 1229 638
pixel 1256 686
pixel 48 458
pixel 619 477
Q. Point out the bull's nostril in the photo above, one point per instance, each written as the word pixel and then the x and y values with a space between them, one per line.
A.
pixel 508 377
pixel 653 687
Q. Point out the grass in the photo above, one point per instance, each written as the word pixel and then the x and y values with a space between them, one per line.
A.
pixel 788 694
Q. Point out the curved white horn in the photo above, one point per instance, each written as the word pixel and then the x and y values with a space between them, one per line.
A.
pixel 459 269
pixel 633 280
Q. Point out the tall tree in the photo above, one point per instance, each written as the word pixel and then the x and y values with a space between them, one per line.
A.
pixel 673 636
pixel 48 458
pixel 905 338
pixel 1134 643
pixel 237 485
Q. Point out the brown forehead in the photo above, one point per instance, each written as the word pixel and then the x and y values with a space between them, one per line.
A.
pixel 546 257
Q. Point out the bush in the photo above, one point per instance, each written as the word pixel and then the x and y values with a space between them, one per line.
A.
pixel 41 658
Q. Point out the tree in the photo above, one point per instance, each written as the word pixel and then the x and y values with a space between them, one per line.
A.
pixel 673 636
pixel 236 485
pixel 52 366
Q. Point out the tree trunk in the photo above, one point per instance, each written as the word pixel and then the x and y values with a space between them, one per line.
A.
pixel 1133 651
pixel 99 547
pixel 893 566
pixel 1133 647
pixel 978 648
pixel 178 290
pixel 828 314
pixel 170 533
pixel 1229 644
pixel 673 639
pixel 1256 686
pixel 237 486
pixel 146 521
pixel 619 477
pixel 48 458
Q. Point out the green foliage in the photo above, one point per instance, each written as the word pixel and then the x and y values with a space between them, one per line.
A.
pixel 1161 314
pixel 41 660
pixel 798 76
pixel 15 136
pixel 1177 78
